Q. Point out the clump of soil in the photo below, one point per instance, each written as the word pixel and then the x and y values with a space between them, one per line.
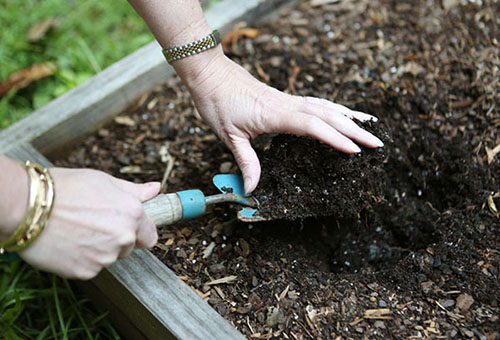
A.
pixel 424 262
pixel 301 177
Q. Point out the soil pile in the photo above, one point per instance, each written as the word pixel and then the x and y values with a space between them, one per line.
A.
pixel 302 177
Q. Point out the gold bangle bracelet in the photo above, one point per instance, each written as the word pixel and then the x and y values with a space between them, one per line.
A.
pixel 41 208
pixel 46 204
pixel 23 227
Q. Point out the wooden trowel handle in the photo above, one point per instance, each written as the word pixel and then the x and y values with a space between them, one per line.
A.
pixel 164 209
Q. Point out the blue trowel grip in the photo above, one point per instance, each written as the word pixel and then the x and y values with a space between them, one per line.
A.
pixel 193 203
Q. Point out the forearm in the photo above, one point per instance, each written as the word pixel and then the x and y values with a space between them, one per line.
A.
pixel 237 106
pixel 176 23
pixel 14 191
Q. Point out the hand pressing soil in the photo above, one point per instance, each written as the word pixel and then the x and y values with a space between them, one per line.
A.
pixel 302 177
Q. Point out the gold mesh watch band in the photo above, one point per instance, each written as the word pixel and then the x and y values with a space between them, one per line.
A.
pixel 176 53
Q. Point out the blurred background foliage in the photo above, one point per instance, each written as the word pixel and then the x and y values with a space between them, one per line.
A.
pixel 80 37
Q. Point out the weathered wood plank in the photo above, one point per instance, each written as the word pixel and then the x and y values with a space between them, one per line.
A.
pixel 80 110
pixel 148 293
pixel 25 152
pixel 170 300
pixel 126 301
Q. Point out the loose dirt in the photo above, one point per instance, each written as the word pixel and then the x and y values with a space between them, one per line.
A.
pixel 305 178
pixel 407 244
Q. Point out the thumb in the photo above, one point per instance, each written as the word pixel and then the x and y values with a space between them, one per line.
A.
pixel 248 162
pixel 142 191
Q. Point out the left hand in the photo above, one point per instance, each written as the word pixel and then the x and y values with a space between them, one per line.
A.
pixel 238 107
pixel 96 219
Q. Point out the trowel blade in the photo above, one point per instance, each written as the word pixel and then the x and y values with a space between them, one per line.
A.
pixel 251 215
pixel 230 183
pixel 233 184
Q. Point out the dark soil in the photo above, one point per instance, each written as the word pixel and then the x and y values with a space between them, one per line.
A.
pixel 303 178
pixel 412 249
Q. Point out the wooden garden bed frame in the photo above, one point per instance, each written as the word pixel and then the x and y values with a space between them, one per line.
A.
pixel 145 298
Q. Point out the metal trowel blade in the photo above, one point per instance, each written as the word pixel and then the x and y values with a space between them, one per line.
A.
pixel 230 184
pixel 233 190
pixel 251 215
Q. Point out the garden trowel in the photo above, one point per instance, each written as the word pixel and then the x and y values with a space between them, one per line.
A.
pixel 170 208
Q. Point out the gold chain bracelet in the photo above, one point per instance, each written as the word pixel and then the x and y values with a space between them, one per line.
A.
pixel 41 201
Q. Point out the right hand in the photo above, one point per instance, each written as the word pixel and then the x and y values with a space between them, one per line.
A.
pixel 96 219
pixel 238 107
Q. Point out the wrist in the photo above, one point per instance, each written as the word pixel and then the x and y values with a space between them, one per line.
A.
pixel 14 184
pixel 195 69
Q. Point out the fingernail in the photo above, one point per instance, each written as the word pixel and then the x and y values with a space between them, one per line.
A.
pixel 355 148
pixel 374 119
pixel 378 142
pixel 155 185
pixel 247 184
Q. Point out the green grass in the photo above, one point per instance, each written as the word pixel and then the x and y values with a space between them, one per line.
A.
pixel 91 35
pixel 35 305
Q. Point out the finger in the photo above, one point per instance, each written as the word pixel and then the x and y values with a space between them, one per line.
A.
pixel 147 235
pixel 125 251
pixel 127 239
pixel 344 125
pixel 142 191
pixel 247 161
pixel 361 116
pixel 304 124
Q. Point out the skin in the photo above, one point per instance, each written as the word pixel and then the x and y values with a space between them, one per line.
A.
pixel 98 218
pixel 237 106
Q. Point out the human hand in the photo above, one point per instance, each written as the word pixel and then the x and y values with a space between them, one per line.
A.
pixel 238 107
pixel 96 219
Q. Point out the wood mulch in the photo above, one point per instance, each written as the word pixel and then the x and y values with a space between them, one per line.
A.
pixel 420 256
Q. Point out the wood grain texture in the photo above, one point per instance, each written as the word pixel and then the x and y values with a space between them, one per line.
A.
pixel 147 292
pixel 25 152
pixel 164 209
pixel 117 302
pixel 82 109
pixel 174 304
